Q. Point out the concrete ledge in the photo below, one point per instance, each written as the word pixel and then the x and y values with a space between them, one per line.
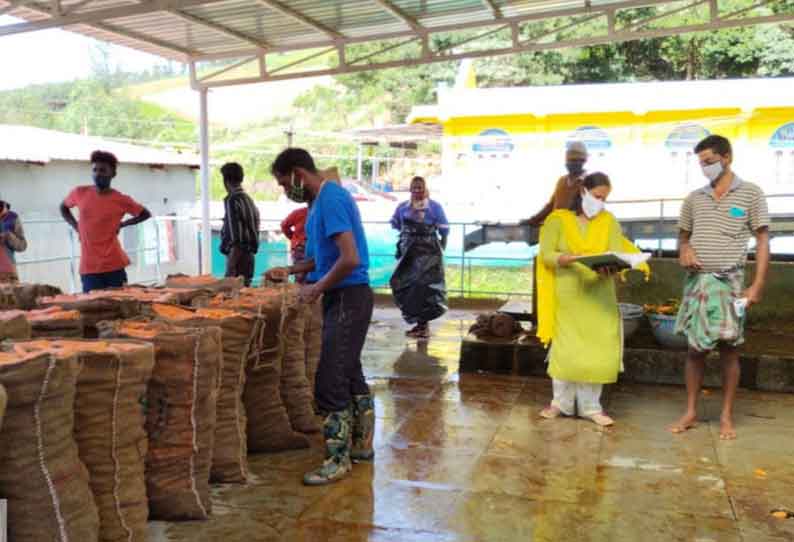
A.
pixel 642 365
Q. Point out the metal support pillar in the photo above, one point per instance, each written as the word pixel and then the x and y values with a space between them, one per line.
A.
pixel 204 144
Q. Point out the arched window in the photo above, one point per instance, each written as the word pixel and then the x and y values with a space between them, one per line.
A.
pixel 680 144
pixel 594 138
pixel 782 146
pixel 493 143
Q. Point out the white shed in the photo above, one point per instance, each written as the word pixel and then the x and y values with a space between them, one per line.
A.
pixel 39 167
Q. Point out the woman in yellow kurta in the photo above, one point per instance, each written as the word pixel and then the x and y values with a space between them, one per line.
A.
pixel 577 307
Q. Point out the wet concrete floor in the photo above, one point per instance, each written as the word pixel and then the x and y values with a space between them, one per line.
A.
pixel 465 458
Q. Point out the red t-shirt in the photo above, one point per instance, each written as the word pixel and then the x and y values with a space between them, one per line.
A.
pixel 296 224
pixel 98 223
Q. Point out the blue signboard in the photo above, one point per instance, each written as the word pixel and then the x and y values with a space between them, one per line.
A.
pixel 783 138
pixel 686 136
pixel 498 142
pixel 593 137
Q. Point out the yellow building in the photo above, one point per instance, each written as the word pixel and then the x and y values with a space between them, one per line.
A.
pixel 506 144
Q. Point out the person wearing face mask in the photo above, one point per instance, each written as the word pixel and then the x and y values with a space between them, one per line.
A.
pixel 102 211
pixel 715 225
pixel 240 231
pixel 12 240
pixel 565 191
pixel 337 263
pixel 577 308
pixel 418 282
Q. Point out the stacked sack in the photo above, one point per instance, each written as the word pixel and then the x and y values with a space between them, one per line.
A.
pixel 109 427
pixel 95 307
pixel 216 286
pixel 55 322
pixel 50 322
pixel 14 325
pixel 240 334
pixel 269 423
pixel 180 414
pixel 24 296
pixel 41 475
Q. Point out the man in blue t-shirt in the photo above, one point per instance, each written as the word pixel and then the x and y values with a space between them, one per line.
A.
pixel 338 266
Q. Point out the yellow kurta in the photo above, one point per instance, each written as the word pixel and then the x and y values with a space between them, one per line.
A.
pixel 586 337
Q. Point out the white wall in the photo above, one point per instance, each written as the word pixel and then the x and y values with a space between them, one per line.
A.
pixel 35 193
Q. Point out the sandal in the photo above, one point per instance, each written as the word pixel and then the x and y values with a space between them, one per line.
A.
pixel 550 412
pixel 602 420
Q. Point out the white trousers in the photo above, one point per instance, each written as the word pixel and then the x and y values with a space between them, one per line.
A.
pixel 567 394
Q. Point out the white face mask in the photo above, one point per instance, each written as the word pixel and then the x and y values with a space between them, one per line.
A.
pixel 713 171
pixel 591 205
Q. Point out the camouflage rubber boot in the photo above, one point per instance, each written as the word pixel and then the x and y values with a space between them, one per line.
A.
pixel 363 428
pixel 337 432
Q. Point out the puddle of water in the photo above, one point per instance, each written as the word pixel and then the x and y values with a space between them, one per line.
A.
pixel 640 464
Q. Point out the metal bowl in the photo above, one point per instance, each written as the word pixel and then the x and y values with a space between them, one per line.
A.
pixel 663 327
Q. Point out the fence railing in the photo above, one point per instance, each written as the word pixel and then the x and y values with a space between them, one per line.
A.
pixel 169 244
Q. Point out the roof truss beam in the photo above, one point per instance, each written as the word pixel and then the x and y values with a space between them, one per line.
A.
pixel 493 8
pixel 610 34
pixel 302 18
pixel 223 29
pixel 177 51
pixel 397 12
pixel 100 15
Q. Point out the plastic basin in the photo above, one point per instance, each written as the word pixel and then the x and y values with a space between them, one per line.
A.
pixel 663 327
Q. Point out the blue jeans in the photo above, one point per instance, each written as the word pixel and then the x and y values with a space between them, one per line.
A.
pixel 347 313
pixel 101 281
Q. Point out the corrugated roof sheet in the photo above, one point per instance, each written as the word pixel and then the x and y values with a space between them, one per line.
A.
pixel 30 144
pixel 265 21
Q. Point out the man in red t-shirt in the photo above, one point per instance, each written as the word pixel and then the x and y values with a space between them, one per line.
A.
pixel 102 209
pixel 294 228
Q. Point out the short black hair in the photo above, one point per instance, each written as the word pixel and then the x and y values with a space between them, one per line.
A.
pixel 289 159
pixel 717 143
pixel 232 173
pixel 105 157
pixel 594 180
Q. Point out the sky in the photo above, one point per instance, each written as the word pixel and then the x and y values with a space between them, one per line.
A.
pixel 51 56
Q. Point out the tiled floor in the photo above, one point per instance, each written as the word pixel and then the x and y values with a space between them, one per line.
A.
pixel 465 458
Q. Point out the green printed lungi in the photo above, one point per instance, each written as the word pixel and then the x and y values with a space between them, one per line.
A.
pixel 707 315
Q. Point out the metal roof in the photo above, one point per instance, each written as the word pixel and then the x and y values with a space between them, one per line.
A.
pixel 252 31
pixel 30 144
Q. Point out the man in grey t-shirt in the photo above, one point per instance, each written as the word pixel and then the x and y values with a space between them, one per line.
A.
pixel 716 223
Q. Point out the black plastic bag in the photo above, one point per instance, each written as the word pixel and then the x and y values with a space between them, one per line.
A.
pixel 418 283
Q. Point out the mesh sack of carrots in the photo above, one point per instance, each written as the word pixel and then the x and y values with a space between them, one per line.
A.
pixel 180 414
pixel 95 307
pixel 24 296
pixel 14 325
pixel 109 427
pixel 269 427
pixel 239 336
pixel 41 475
pixel 296 390
pixel 227 285
pixel 55 322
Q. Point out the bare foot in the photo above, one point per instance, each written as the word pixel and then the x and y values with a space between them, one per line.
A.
pixel 687 422
pixel 727 432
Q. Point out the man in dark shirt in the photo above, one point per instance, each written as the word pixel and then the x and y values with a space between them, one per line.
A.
pixel 240 233
pixel 566 189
